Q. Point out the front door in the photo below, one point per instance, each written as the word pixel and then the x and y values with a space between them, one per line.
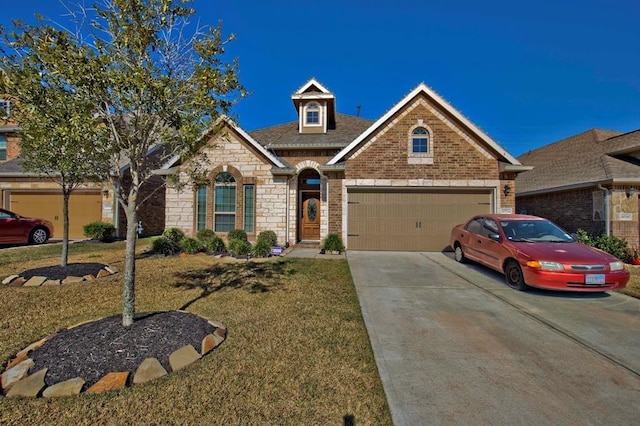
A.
pixel 310 216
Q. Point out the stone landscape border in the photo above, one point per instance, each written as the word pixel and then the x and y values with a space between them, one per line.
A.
pixel 37 281
pixel 16 381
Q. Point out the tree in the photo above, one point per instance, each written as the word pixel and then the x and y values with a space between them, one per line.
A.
pixel 58 133
pixel 155 89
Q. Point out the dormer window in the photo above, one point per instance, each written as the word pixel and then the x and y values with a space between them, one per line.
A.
pixel 5 108
pixel 312 114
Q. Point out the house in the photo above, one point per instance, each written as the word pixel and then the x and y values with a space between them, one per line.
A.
pixel 34 195
pixel 398 183
pixel 588 181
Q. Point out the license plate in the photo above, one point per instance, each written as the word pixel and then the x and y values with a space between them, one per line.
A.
pixel 594 279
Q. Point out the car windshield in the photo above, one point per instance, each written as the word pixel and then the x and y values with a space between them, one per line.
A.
pixel 534 231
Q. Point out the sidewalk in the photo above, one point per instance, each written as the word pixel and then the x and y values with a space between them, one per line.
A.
pixel 313 253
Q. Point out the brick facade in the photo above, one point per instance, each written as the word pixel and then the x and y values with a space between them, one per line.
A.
pixel 578 212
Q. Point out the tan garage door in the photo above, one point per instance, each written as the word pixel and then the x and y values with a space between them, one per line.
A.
pixel 409 220
pixel 84 207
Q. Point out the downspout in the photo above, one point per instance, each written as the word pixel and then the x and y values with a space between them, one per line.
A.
pixel 607 200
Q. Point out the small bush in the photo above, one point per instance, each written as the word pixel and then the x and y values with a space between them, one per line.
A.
pixel 175 235
pixel 205 234
pixel 214 245
pixel 237 234
pixel 262 248
pixel 333 242
pixel 191 245
pixel 239 247
pixel 163 245
pixel 269 237
pixel 101 231
pixel 607 243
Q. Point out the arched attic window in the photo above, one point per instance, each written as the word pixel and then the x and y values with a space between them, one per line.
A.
pixel 312 114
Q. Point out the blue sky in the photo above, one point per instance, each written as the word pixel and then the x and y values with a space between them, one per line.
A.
pixel 527 73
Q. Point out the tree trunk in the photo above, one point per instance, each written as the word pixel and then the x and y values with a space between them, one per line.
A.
pixel 65 227
pixel 128 293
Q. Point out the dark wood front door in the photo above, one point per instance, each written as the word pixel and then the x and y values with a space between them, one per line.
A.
pixel 310 216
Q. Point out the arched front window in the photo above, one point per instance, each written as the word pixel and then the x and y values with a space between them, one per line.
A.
pixel 225 203
pixel 420 140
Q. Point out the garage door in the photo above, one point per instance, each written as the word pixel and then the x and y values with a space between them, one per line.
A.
pixel 409 220
pixel 84 207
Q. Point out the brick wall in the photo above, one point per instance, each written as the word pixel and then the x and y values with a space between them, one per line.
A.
pixel 152 210
pixel 571 210
pixel 455 155
pixel 335 203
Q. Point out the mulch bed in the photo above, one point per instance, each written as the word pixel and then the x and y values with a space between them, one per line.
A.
pixel 94 349
pixel 59 273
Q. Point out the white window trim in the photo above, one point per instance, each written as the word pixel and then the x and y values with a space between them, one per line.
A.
pixel 320 115
pixel 420 157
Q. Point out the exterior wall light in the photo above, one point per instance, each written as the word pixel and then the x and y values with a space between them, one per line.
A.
pixel 506 190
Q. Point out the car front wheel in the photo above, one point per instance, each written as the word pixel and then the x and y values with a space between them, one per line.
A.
pixel 38 236
pixel 514 276
pixel 459 254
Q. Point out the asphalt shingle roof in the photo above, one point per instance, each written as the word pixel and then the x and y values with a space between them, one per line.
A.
pixel 12 166
pixel 286 135
pixel 590 157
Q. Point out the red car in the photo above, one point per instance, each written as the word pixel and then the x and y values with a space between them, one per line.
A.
pixel 534 252
pixel 15 229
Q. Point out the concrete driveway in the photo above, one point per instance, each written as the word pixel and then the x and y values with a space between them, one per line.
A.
pixel 454 345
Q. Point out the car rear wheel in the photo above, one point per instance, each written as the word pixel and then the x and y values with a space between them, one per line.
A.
pixel 459 254
pixel 514 276
pixel 38 236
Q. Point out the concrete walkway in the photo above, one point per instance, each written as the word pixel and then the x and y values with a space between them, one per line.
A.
pixel 454 345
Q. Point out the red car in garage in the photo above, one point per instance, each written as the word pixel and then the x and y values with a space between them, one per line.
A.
pixel 534 252
pixel 15 229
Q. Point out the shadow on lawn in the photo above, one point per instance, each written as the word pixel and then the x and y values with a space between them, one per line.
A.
pixel 252 276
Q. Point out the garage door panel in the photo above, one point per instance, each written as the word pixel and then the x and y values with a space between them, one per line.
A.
pixel 84 208
pixel 409 220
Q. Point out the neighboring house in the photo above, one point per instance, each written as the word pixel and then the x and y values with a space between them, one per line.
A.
pixel 399 183
pixel 588 181
pixel 34 195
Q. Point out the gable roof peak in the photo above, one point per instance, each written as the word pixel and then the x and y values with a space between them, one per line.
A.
pixel 422 88
pixel 312 84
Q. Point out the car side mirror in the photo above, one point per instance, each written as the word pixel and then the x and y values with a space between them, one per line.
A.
pixel 494 237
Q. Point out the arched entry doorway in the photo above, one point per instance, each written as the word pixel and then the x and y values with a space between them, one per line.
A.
pixel 309 205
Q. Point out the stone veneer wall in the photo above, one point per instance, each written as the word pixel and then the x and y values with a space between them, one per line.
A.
pixel 226 151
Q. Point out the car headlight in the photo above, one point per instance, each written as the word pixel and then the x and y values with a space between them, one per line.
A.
pixel 545 265
pixel 616 266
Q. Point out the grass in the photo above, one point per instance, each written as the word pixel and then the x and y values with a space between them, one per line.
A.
pixel 633 286
pixel 297 350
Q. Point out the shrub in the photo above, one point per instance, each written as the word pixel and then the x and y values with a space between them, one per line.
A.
pixel 333 242
pixel 100 231
pixel 237 234
pixel 190 245
pixel 175 235
pixel 607 243
pixel 262 248
pixel 205 234
pixel 163 245
pixel 239 247
pixel 214 244
pixel 269 237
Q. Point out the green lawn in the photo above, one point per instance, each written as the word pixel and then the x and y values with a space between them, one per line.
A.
pixel 297 351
